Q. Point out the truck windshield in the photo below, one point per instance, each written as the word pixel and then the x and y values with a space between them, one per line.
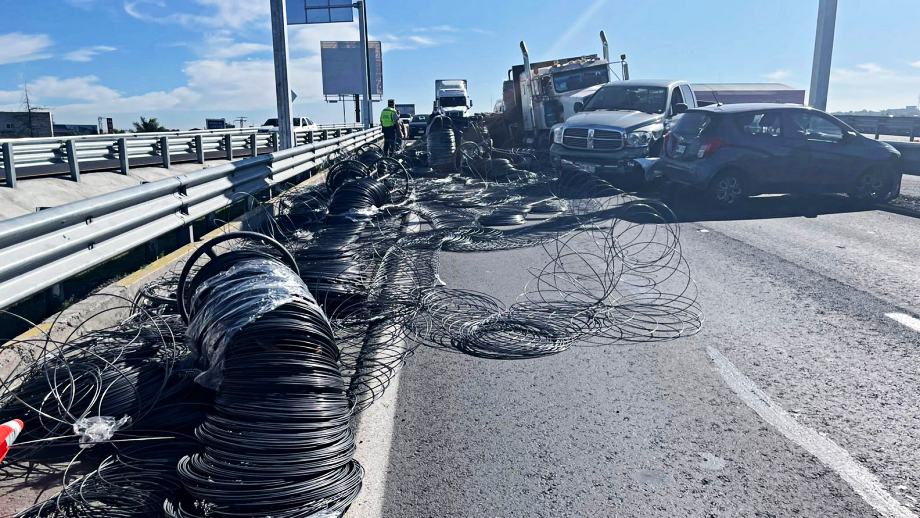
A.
pixel 580 79
pixel 448 102
pixel 648 99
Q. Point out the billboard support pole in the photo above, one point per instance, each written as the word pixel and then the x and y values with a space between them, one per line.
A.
pixel 357 109
pixel 282 85
pixel 365 55
pixel 824 50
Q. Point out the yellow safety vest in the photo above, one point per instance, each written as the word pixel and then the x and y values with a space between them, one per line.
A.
pixel 388 117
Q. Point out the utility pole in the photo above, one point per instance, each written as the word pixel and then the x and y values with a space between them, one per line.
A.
pixel 824 50
pixel 365 52
pixel 241 121
pixel 282 84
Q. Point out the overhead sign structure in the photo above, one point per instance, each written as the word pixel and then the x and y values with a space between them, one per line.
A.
pixel 320 11
pixel 343 68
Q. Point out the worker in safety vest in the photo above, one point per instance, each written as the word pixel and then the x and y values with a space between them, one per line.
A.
pixel 389 119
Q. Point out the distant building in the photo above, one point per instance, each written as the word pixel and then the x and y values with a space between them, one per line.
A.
pixel 73 130
pixel 26 124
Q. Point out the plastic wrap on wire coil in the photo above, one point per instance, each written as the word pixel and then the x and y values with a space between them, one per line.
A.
pixel 94 430
pixel 236 298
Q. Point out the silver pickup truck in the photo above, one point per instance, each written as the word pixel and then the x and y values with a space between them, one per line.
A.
pixel 620 126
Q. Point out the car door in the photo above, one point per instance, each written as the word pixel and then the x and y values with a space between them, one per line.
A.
pixel 766 155
pixel 822 144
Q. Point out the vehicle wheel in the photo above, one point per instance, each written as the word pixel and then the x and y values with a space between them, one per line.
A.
pixel 727 189
pixel 872 187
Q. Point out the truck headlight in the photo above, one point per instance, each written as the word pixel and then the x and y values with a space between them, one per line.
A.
pixel 557 135
pixel 638 139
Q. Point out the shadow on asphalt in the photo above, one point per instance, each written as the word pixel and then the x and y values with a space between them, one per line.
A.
pixel 767 207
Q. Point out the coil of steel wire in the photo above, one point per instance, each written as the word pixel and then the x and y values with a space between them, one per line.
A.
pixel 442 144
pixel 278 441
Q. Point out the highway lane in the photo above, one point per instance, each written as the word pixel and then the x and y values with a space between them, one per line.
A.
pixel 795 307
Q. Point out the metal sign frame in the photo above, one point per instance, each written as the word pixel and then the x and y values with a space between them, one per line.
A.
pixel 308 12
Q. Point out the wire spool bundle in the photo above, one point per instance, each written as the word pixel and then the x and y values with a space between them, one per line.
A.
pixel 359 198
pixel 369 154
pixel 443 143
pixel 119 374
pixel 278 441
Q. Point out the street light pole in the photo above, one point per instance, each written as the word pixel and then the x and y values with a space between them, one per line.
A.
pixel 824 49
pixel 282 83
pixel 366 59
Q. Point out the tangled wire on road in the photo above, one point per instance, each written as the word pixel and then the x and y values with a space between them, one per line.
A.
pixel 230 388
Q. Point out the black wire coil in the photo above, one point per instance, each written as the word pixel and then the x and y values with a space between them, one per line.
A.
pixel 278 441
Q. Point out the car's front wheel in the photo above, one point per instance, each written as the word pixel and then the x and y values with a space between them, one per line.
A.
pixel 873 186
pixel 727 189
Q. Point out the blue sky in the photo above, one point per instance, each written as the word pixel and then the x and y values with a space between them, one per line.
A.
pixel 185 60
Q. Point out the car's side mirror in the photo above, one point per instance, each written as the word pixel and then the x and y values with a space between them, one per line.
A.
pixel 579 107
pixel 680 108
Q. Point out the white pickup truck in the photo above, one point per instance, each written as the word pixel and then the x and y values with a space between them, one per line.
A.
pixel 620 128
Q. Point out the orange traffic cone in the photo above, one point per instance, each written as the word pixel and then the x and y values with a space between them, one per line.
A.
pixel 8 434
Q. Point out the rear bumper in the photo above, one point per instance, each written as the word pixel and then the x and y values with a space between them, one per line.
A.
pixel 684 174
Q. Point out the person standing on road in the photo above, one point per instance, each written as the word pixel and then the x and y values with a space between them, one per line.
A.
pixel 389 120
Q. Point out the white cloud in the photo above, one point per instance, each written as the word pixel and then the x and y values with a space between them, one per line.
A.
pixel 778 75
pixel 85 88
pixel 220 14
pixel 17 47
pixel 86 54
pixel 437 28
pixel 873 87
pixel 222 46
pixel 915 64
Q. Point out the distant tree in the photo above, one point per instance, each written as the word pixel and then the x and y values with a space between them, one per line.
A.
pixel 150 125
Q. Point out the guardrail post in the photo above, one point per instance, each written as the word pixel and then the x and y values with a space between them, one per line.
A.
pixel 913 129
pixel 199 149
pixel 73 160
pixel 253 145
pixel 123 156
pixel 878 129
pixel 228 146
pixel 164 152
pixel 274 141
pixel 309 137
pixel 9 165
pixel 325 135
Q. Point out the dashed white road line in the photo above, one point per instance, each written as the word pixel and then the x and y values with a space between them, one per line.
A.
pixel 905 320
pixel 863 482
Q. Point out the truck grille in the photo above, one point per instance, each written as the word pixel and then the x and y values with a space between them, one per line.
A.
pixel 575 137
pixel 583 138
pixel 608 140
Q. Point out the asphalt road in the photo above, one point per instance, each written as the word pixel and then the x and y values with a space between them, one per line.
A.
pixel 800 397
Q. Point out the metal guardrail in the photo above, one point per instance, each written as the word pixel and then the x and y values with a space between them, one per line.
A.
pixel 73 155
pixel 910 156
pixel 884 125
pixel 42 249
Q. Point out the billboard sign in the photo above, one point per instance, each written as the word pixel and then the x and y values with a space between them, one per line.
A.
pixel 215 124
pixel 319 11
pixel 343 68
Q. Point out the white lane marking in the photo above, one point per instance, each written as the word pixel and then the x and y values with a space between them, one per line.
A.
pixel 863 482
pixel 905 320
